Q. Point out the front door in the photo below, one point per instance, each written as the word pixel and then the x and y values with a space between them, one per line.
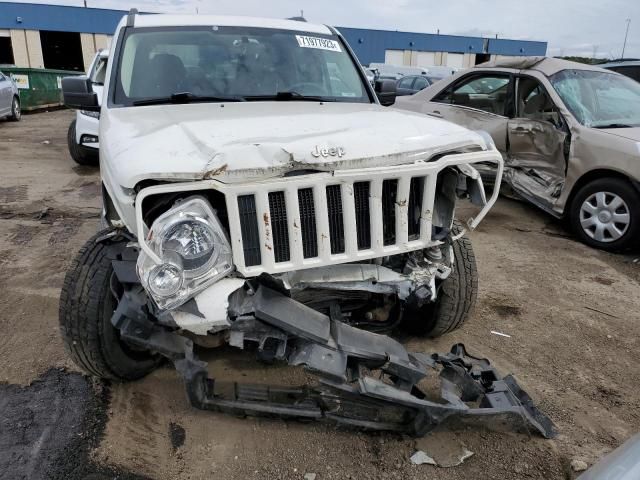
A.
pixel 538 142
pixel 478 101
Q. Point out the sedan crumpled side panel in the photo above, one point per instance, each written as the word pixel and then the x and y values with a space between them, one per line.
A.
pixel 537 164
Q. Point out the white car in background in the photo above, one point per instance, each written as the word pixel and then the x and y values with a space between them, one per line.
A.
pixel 82 136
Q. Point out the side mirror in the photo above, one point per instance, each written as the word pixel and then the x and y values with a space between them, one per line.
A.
pixel 386 91
pixel 78 94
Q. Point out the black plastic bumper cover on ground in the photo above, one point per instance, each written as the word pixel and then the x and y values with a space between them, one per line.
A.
pixel 367 380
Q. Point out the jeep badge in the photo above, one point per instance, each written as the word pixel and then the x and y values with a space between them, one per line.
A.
pixel 325 152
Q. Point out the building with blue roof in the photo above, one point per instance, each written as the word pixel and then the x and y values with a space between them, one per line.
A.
pixel 66 38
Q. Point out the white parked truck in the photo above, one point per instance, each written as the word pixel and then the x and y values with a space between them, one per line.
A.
pixel 257 193
pixel 82 135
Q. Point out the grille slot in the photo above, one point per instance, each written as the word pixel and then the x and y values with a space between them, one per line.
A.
pixel 249 229
pixel 415 207
pixel 389 195
pixel 363 222
pixel 279 226
pixel 308 223
pixel 336 220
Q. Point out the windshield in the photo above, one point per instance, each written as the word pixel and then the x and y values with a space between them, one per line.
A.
pixel 599 99
pixel 235 63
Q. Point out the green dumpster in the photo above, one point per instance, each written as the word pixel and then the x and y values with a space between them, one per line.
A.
pixel 39 87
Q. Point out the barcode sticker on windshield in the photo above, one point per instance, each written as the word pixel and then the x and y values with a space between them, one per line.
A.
pixel 317 42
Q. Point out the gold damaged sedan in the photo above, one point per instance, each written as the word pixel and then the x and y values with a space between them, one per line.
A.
pixel 569 134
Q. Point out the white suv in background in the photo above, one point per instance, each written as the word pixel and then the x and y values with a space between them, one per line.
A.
pixel 82 136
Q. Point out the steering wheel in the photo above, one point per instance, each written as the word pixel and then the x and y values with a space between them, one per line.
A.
pixel 308 88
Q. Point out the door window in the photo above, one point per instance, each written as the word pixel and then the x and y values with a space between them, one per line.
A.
pixel 534 103
pixel 488 93
pixel 405 82
pixel 99 71
pixel 420 83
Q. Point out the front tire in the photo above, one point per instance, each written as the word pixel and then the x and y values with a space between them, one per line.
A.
pixel 81 155
pixel 16 112
pixel 87 302
pixel 457 295
pixel 605 214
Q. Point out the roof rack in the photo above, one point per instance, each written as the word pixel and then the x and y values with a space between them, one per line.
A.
pixel 131 16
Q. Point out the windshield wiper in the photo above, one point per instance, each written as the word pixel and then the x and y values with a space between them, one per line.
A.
pixel 613 125
pixel 187 97
pixel 287 96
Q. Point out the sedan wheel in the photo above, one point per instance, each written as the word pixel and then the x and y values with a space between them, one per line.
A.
pixel 15 110
pixel 605 217
pixel 605 213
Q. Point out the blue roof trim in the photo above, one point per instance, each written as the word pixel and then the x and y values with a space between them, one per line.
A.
pixel 369 45
pixel 59 18
pixel 502 46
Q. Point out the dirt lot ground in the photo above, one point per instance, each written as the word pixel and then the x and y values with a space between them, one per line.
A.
pixel 573 314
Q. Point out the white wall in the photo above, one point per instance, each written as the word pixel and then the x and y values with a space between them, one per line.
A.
pixel 425 59
pixel 102 41
pixel 34 47
pixel 394 57
pixel 455 60
pixel 88 45
pixel 415 58
pixel 19 45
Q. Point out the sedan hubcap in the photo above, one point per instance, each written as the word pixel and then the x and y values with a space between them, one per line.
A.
pixel 605 217
pixel 16 108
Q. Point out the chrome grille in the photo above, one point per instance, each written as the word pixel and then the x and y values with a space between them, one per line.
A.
pixel 308 223
pixel 363 222
pixel 278 211
pixel 249 227
pixel 344 208
pixel 336 225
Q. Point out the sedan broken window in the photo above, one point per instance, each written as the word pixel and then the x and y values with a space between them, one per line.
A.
pixel 599 99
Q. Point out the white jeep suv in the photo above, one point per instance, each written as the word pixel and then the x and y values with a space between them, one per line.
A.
pixel 256 193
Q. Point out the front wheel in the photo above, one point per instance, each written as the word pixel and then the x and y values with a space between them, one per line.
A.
pixel 89 297
pixel 456 296
pixel 16 113
pixel 605 214
pixel 81 155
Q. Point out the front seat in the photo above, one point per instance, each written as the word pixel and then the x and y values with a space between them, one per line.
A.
pixel 167 74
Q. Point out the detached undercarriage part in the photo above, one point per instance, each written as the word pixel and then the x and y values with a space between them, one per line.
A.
pixel 366 380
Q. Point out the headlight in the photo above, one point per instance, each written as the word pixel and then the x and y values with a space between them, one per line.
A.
pixel 90 114
pixel 193 249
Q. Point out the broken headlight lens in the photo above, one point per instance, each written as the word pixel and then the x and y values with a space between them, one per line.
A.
pixel 192 244
pixel 165 280
pixel 193 249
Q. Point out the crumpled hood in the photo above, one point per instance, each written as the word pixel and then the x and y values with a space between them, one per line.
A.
pixel 243 141
pixel 629 133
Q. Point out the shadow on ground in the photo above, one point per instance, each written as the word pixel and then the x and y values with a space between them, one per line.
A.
pixel 49 428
